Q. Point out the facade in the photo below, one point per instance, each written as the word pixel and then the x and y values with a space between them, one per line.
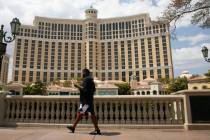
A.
pixel 199 83
pixel 185 74
pixel 148 86
pixel 4 69
pixel 112 48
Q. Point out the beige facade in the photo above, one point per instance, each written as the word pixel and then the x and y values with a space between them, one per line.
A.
pixel 112 48
pixel 4 69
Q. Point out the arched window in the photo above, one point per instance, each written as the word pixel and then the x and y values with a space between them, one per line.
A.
pixel 204 87
pixel 138 93
pixel 195 87
pixel 143 93
pixel 148 92
pixel 154 92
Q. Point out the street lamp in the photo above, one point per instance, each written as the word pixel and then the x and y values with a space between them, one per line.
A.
pixel 15 24
pixel 205 53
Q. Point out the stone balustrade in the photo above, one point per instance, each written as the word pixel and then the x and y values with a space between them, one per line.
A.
pixel 146 110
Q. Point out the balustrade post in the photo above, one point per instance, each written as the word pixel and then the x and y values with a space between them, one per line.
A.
pixel 62 111
pixel 150 113
pixel 105 113
pixel 57 113
pixel 52 120
pixel 2 107
pixel 161 113
pixel 145 115
pixel 22 110
pixel 133 112
pixel 100 112
pixel 156 112
pixel 68 112
pixel 27 112
pixel 179 113
pixel 128 115
pixel 139 112
pixel 8 111
pixel 32 112
pixel 37 111
pixel 46 119
pixel 17 111
pixel 112 112
pixel 167 113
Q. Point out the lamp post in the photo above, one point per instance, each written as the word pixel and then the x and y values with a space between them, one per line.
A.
pixel 4 39
pixel 205 53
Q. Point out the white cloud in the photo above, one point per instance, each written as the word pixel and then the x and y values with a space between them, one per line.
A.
pixel 195 38
pixel 189 58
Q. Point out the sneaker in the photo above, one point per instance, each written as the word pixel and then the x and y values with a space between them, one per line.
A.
pixel 96 132
pixel 71 128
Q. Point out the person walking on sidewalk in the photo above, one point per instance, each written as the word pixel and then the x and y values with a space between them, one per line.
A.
pixel 87 89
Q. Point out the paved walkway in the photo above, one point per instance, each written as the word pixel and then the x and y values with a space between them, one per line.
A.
pixel 23 133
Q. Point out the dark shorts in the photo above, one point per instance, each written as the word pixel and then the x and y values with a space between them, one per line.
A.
pixel 90 110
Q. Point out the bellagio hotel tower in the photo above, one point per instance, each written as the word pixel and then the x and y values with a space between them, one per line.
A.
pixel 112 48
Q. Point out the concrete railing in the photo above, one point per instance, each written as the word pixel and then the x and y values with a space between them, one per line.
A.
pixel 141 110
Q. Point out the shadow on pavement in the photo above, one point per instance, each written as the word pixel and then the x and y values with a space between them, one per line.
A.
pixel 110 133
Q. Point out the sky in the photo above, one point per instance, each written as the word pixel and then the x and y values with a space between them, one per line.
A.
pixel 186 48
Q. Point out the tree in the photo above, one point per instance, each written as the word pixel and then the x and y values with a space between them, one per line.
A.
pixel 200 10
pixel 177 85
pixel 208 75
pixel 27 89
pixel 67 84
pixel 164 80
pixel 124 89
pixel 37 88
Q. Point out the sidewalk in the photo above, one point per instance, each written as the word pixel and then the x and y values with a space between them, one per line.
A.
pixel 24 133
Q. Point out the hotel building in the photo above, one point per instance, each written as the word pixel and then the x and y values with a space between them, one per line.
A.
pixel 112 48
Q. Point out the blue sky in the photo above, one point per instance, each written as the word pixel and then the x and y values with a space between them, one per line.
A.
pixel 186 49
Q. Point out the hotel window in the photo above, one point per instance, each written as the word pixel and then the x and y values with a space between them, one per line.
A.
pixel 65 76
pixel 109 56
pixel 150 52
pixel 46 55
pixel 128 29
pixel 51 76
pixel 136 53
pixel 18 53
pixel 45 77
pixel 137 76
pixel 102 56
pixel 159 73
pixel 32 54
pixel 157 51
pixel 72 55
pixel 39 57
pixel 79 58
pixel 116 54
pixel 59 76
pixel 151 73
pixel 144 74
pixel 52 56
pixel 37 76
pixel 103 76
pixel 165 53
pixel 123 76
pixel 16 75
pixel 66 57
pixel 116 76
pixel 167 73
pixel 129 54
pixel 25 54
pixel 122 54
pixel 30 76
pixel 109 75
pixel 143 54
pixel 23 76
pixel 59 55
pixel 91 55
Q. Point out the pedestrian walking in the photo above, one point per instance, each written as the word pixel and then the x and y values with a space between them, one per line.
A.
pixel 87 90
